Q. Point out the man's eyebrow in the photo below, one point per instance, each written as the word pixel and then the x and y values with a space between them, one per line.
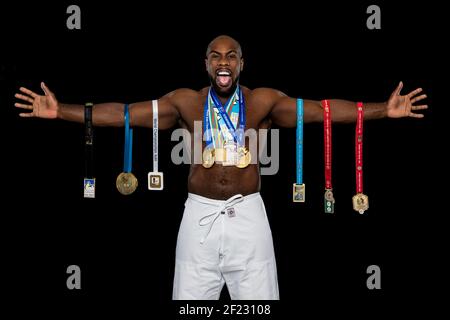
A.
pixel 217 52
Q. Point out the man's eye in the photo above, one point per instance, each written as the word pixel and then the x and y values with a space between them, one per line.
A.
pixel 214 56
pixel 232 56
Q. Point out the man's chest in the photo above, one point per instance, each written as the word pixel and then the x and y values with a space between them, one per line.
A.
pixel 198 114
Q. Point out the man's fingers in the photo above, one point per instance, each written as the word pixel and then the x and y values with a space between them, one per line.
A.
pixel 24 97
pixel 23 106
pixel 45 89
pixel 28 92
pixel 398 89
pixel 413 93
pixel 421 97
pixel 26 115
pixel 416 115
pixel 421 107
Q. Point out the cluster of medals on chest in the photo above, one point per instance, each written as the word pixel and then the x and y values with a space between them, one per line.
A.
pixel 224 126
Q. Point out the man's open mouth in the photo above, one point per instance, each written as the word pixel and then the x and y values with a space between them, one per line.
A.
pixel 223 78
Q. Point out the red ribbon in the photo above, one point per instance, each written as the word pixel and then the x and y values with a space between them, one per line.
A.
pixel 359 147
pixel 327 142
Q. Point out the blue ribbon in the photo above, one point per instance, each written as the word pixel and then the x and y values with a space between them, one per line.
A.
pixel 239 138
pixel 299 141
pixel 128 152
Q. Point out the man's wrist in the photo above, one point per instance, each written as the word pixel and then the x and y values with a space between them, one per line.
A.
pixel 384 110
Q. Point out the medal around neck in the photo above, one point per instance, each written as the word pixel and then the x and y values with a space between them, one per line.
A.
pixel 225 144
pixel 208 157
pixel 244 158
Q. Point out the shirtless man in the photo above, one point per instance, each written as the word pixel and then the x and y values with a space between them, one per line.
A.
pixel 224 235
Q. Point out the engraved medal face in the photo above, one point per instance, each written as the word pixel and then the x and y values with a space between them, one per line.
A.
pixel 208 157
pixel 298 191
pixel 126 183
pixel 155 181
pixel 89 188
pixel 244 157
pixel 360 202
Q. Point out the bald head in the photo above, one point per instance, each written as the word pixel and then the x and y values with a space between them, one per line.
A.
pixel 224 40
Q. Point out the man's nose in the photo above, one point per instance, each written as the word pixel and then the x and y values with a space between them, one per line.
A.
pixel 224 61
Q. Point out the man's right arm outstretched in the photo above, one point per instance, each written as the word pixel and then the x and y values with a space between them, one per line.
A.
pixel 104 114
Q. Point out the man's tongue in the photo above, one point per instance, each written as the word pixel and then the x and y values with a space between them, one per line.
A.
pixel 223 81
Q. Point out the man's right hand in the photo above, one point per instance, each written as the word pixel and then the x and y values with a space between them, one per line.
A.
pixel 41 106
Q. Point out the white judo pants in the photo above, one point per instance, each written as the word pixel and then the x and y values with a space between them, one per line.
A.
pixel 225 242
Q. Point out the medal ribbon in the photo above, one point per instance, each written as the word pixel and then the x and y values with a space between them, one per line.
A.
pixel 359 147
pixel 327 142
pixel 232 109
pixel 155 135
pixel 89 140
pixel 238 135
pixel 299 144
pixel 128 152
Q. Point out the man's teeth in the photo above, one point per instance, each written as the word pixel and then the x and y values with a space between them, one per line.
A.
pixel 223 73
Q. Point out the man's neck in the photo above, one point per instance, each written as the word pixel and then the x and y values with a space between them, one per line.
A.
pixel 224 97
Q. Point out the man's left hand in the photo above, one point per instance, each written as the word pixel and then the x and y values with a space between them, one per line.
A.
pixel 399 106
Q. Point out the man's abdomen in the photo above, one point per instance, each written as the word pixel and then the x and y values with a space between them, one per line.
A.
pixel 222 182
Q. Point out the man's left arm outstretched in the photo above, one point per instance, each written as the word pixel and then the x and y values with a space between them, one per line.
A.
pixel 283 112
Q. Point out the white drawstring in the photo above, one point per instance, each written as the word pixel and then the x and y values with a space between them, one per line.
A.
pixel 213 216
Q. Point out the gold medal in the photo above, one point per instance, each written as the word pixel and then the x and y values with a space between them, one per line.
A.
pixel 208 157
pixel 126 183
pixel 298 192
pixel 360 202
pixel 244 158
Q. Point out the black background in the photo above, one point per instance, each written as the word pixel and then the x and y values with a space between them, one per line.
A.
pixel 125 246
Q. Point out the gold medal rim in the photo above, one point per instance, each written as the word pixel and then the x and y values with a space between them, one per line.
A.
pixel 121 186
pixel 247 159
pixel 208 152
pixel 358 207
pixel 302 187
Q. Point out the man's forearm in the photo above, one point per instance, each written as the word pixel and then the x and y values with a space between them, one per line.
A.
pixel 345 111
pixel 103 114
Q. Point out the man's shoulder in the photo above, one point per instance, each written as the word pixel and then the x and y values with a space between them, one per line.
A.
pixel 263 92
pixel 187 93
pixel 264 95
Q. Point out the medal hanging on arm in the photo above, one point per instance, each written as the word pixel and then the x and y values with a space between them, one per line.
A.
pixel 126 182
pixel 360 200
pixel 155 178
pixel 298 190
pixel 89 180
pixel 328 197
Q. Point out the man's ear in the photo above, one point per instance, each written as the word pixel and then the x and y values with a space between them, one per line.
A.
pixel 206 64
pixel 242 64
